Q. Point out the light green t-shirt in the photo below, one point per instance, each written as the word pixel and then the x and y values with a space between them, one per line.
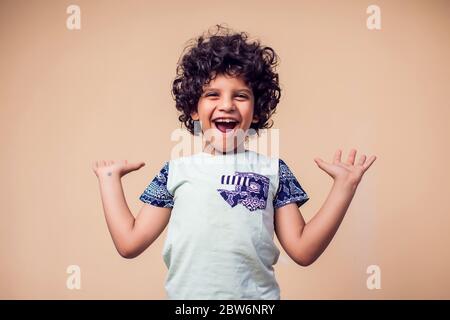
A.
pixel 220 234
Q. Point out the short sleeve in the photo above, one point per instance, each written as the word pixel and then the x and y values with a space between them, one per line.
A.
pixel 156 192
pixel 289 189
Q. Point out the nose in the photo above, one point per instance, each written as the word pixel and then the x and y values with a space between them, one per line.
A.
pixel 226 105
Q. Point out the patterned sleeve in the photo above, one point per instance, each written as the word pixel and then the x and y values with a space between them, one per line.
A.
pixel 156 192
pixel 289 189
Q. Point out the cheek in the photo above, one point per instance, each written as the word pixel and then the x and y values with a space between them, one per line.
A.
pixel 247 113
pixel 204 111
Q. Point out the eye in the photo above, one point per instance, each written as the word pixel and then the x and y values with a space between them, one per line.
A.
pixel 243 96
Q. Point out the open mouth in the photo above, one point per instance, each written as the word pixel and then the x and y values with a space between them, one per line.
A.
pixel 225 125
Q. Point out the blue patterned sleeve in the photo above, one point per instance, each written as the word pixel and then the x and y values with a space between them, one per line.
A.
pixel 289 189
pixel 156 192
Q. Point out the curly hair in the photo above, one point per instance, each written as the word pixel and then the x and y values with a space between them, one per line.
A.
pixel 227 52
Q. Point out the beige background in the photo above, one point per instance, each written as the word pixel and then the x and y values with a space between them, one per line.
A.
pixel 68 98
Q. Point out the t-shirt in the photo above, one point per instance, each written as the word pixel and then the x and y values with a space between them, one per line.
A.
pixel 219 242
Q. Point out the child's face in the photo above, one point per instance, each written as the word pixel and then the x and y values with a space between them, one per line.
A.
pixel 225 112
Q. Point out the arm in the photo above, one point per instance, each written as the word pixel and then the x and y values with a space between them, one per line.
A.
pixel 305 242
pixel 131 236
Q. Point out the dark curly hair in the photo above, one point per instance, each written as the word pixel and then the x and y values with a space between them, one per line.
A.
pixel 227 52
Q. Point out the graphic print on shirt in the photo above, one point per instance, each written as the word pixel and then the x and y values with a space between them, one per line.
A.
pixel 251 190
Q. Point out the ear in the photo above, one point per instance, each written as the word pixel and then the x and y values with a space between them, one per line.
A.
pixel 194 115
pixel 255 119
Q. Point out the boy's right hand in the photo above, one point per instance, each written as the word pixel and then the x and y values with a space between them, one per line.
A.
pixel 104 168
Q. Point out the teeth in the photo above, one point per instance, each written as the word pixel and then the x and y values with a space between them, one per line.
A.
pixel 225 120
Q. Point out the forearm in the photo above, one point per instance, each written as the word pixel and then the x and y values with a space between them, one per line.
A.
pixel 119 219
pixel 320 230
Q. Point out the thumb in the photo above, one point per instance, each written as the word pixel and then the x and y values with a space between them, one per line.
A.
pixel 136 165
pixel 320 163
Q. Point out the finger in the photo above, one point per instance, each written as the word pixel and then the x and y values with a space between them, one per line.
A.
pixel 322 164
pixel 351 157
pixel 318 161
pixel 138 165
pixel 369 162
pixel 362 159
pixel 103 163
pixel 337 156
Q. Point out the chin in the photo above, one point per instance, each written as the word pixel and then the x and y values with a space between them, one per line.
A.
pixel 223 144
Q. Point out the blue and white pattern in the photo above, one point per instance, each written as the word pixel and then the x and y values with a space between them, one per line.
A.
pixel 251 190
pixel 238 179
pixel 156 193
pixel 289 189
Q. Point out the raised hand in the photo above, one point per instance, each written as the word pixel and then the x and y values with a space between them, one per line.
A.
pixel 348 171
pixel 109 167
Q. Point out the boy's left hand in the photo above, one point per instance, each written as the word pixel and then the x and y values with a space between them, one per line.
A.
pixel 347 172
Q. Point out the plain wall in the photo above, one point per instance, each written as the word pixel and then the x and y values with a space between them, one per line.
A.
pixel 70 97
